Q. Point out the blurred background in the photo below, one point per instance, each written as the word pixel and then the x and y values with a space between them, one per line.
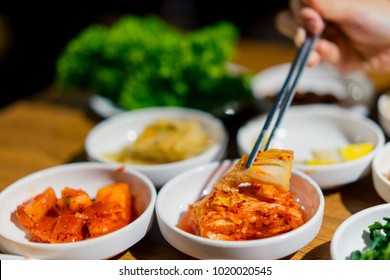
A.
pixel 32 35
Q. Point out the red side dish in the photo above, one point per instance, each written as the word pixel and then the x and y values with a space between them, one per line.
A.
pixel 248 203
pixel 75 216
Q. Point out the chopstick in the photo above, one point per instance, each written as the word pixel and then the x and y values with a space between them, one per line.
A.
pixel 285 96
pixel 222 168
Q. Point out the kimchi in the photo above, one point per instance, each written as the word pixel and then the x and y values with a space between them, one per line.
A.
pixel 248 203
pixel 75 216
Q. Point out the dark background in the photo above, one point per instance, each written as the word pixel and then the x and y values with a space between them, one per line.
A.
pixel 32 34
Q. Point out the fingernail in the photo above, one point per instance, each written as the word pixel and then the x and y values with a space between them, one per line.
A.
pixel 311 25
pixel 300 36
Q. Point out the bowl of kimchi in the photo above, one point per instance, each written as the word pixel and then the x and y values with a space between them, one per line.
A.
pixel 160 142
pixel 238 226
pixel 78 210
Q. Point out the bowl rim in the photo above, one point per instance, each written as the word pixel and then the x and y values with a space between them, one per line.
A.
pixel 326 69
pixel 376 167
pixel 76 166
pixel 338 234
pixel 217 147
pixel 325 111
pixel 383 99
pixel 246 243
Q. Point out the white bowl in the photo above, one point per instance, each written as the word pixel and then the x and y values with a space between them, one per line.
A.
pixel 380 171
pixel 354 90
pixel 313 127
pixel 349 237
pixel 89 177
pixel 383 106
pixel 175 196
pixel 111 135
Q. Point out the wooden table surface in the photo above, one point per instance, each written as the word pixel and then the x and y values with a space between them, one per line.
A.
pixel 49 129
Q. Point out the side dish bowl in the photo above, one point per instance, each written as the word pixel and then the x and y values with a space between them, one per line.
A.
pixel 352 234
pixel 307 128
pixel 112 134
pixel 177 194
pixel 381 172
pixel 319 85
pixel 383 106
pixel 86 176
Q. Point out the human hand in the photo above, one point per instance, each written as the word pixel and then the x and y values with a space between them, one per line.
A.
pixel 356 34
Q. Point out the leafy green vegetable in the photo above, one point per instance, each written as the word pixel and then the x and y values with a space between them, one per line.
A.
pixel 379 248
pixel 143 62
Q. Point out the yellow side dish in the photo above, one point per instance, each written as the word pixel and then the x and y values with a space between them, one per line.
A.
pixel 354 151
pixel 164 141
pixel 342 154
pixel 319 162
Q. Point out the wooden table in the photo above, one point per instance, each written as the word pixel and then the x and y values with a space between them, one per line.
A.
pixel 49 129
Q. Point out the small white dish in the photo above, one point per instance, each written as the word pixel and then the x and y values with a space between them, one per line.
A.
pixel 111 135
pixel 381 172
pixel 89 177
pixel 383 106
pixel 350 235
pixel 315 127
pixel 177 194
pixel 353 90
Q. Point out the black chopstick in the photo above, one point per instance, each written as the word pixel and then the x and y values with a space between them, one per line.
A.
pixel 284 99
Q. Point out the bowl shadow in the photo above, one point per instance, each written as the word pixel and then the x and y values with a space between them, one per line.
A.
pixel 358 195
pixel 321 252
pixel 154 247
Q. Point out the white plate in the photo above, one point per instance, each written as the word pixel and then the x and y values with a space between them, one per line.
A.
pixel 313 127
pixel 114 133
pixel 383 106
pixel 88 177
pixel 380 171
pixel 350 236
pixel 181 191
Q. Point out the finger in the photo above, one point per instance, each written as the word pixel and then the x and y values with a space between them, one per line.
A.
pixel 329 51
pixel 286 24
pixel 312 21
pixel 314 59
pixel 379 63
pixel 337 52
pixel 295 7
pixel 300 36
